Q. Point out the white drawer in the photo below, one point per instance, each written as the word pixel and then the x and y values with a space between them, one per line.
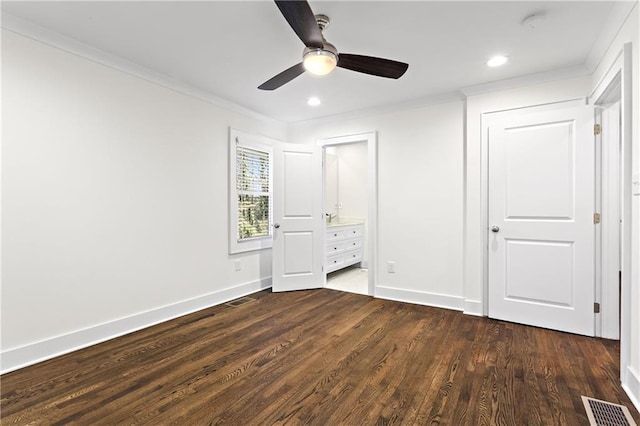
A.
pixel 352 244
pixel 352 257
pixel 335 234
pixel 353 232
pixel 335 262
pixel 335 248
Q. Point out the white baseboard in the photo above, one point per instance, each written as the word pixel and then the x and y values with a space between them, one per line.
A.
pixel 16 358
pixel 473 307
pixel 420 298
pixel 631 385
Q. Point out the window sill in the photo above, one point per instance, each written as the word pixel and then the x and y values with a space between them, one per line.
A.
pixel 254 244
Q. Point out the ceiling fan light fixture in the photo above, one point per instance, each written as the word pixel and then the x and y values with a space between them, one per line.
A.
pixel 319 61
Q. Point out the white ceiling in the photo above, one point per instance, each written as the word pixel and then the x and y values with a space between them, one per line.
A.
pixel 229 48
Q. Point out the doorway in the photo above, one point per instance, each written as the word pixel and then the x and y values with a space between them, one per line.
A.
pixel 350 202
pixel 346 212
pixel 608 198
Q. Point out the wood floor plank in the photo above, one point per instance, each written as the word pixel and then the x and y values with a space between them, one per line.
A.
pixel 321 357
pixel 272 378
pixel 245 351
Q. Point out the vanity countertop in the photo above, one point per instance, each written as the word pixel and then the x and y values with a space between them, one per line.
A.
pixel 344 222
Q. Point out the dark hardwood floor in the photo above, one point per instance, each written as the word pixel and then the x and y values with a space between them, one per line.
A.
pixel 321 357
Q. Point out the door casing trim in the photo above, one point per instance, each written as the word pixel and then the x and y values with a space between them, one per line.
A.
pixel 622 66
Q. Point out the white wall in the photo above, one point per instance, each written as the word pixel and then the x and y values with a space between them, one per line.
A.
pixel 630 33
pixel 420 197
pixel 114 203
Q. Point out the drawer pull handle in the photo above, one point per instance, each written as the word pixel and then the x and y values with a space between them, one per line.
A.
pixel 335 235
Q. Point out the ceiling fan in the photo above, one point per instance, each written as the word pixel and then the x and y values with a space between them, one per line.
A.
pixel 319 56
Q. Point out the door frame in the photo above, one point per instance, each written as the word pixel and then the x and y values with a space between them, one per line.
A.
pixel 608 183
pixel 620 73
pixel 371 139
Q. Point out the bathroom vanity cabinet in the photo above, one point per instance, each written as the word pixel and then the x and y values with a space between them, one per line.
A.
pixel 343 245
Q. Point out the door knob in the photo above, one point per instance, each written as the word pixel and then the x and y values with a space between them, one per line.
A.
pixel 495 228
pixel 276 225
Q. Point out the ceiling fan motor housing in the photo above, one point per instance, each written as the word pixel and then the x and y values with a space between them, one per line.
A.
pixel 323 21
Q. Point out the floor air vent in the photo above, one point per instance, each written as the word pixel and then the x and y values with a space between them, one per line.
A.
pixel 242 301
pixel 602 413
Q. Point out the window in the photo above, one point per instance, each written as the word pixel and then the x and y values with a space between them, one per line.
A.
pixel 253 192
pixel 250 192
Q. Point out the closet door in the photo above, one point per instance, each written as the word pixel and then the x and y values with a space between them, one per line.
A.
pixel 541 219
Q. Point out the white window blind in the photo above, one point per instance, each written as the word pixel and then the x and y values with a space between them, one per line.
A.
pixel 253 187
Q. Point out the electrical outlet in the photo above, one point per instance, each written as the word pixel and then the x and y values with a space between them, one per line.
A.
pixel 635 184
pixel 391 267
pixel 237 265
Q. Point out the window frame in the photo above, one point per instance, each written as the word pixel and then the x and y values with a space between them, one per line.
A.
pixel 259 143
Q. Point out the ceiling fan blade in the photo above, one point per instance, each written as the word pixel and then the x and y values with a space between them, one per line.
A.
pixel 375 66
pixel 283 78
pixel 299 15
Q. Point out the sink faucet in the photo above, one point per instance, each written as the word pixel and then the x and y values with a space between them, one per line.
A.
pixel 329 216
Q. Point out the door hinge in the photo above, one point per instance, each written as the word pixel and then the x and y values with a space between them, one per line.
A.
pixel 597 129
pixel 596 308
pixel 596 218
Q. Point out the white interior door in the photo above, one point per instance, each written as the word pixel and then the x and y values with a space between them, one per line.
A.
pixel 541 230
pixel 298 217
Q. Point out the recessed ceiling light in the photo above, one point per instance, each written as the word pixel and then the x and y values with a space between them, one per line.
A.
pixel 313 101
pixel 496 61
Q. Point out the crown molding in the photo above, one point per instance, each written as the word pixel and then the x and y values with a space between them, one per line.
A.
pixel 527 80
pixel 441 98
pixel 43 35
pixel 461 95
